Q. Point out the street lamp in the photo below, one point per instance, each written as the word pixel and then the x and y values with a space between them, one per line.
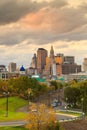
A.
pixel 49 98
pixel 29 93
pixel 82 104
pixel 6 94
pixel 66 103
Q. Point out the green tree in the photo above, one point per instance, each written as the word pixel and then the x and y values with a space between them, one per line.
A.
pixel 72 95
pixel 21 85
pixel 83 95
pixel 56 84
pixel 84 104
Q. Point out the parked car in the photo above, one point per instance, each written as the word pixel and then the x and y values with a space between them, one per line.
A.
pixel 54 104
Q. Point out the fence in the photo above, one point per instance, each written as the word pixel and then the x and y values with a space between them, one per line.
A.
pixel 80 117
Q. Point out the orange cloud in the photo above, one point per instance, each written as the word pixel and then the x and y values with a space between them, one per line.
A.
pixel 44 20
pixel 37 21
pixel 53 20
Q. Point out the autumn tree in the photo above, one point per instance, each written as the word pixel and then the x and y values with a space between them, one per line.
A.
pixel 41 118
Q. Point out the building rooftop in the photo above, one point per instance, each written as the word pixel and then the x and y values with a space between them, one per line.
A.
pixel 41 49
pixel 22 68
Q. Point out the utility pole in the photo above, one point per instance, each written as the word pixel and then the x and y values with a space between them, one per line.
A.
pixel 6 94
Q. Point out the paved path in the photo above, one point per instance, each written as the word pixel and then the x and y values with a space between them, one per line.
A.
pixel 20 123
pixel 64 116
pixel 12 123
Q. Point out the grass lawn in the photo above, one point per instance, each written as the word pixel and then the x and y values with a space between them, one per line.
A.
pixel 69 112
pixel 13 128
pixel 13 104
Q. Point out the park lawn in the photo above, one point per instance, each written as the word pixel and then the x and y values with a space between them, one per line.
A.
pixel 13 128
pixel 12 116
pixel 14 103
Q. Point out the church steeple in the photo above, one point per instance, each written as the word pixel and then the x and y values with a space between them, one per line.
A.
pixel 51 52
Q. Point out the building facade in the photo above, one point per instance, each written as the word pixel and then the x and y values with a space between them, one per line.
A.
pixel 55 65
pixel 12 67
pixel 41 60
pixel 70 68
pixel 69 59
pixel 85 65
pixel 3 68
pixel 34 62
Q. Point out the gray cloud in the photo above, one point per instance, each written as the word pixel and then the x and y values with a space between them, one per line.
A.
pixel 68 19
pixel 67 24
pixel 13 10
pixel 58 3
pixel 18 36
pixel 62 45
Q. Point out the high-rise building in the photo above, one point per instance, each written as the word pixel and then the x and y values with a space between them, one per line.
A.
pixel 70 68
pixel 54 69
pixel 52 63
pixel 12 67
pixel 55 65
pixel 69 59
pixel 52 53
pixel 41 59
pixel 85 65
pixel 34 62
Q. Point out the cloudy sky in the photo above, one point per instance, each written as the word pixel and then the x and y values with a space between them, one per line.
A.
pixel 26 25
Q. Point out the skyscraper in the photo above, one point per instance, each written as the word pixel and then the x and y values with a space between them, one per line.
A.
pixel 51 60
pixel 12 67
pixel 85 65
pixel 52 53
pixel 50 63
pixel 41 59
pixel 34 62
pixel 69 59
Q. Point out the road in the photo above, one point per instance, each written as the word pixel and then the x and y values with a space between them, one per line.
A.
pixel 64 116
pixel 20 123
pixel 12 123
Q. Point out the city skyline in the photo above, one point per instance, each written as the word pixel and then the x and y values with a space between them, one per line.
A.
pixel 27 25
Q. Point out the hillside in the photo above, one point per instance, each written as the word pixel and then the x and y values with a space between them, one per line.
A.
pixel 75 125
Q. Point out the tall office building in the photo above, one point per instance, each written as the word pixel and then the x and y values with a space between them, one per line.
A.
pixel 12 67
pixel 70 68
pixel 69 59
pixel 54 65
pixel 51 67
pixel 34 62
pixel 41 59
pixel 85 65
pixel 52 53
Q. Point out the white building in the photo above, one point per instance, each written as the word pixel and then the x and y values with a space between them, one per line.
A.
pixel 22 70
pixel 84 66
pixel 12 67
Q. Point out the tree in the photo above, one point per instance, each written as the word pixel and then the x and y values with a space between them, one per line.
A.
pixel 56 84
pixel 41 118
pixel 3 85
pixel 84 104
pixel 72 94
pixel 83 95
pixel 20 85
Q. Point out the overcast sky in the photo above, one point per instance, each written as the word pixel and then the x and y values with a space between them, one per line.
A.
pixel 26 25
